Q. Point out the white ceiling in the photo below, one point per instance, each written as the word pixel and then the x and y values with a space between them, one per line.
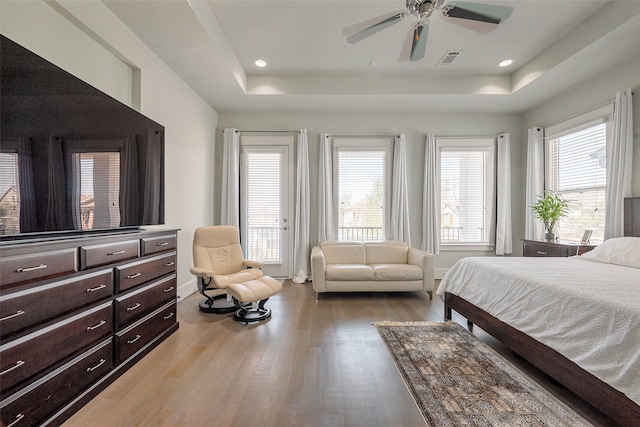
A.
pixel 212 45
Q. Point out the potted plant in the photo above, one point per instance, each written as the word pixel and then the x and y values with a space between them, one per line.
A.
pixel 550 208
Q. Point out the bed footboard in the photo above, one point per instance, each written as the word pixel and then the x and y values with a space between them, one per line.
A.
pixel 597 393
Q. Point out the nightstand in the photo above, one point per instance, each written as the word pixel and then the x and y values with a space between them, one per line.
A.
pixel 531 248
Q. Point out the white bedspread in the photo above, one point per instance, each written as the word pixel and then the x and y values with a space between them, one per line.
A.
pixel 587 311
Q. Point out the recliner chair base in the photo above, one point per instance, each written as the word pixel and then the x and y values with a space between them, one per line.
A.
pixel 217 304
pixel 249 315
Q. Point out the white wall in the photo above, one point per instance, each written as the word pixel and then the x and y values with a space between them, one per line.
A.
pixel 415 126
pixel 589 94
pixel 87 40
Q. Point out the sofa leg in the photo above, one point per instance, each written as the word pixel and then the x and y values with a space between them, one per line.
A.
pixel 430 294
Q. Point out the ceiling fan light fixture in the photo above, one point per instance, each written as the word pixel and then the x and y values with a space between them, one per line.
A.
pixel 479 14
pixel 506 63
pixel 261 63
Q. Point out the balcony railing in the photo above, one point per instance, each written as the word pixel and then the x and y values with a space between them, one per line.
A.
pixel 263 243
pixel 360 233
pixel 450 234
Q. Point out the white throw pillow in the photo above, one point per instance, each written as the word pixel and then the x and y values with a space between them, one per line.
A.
pixel 620 251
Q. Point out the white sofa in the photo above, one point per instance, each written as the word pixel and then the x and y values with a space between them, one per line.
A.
pixel 388 266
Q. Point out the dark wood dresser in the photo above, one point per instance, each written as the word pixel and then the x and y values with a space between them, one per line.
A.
pixel 76 313
pixel 535 248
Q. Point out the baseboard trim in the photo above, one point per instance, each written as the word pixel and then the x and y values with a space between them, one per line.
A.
pixel 187 289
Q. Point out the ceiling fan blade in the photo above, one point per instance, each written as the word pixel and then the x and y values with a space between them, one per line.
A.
pixel 419 42
pixel 480 12
pixel 369 31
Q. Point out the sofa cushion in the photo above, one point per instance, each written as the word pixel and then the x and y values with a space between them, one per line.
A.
pixel 343 252
pixel 349 272
pixel 398 272
pixel 388 252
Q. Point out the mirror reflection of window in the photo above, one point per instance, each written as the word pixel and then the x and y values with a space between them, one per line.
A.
pixel 9 194
pixel 97 190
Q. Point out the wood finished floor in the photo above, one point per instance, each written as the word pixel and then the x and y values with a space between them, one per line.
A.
pixel 314 363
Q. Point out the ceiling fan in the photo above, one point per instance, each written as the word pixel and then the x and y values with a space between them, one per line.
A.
pixel 489 15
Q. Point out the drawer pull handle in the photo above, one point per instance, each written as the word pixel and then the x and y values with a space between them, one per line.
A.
pixel 168 316
pixel 18 418
pixel 135 339
pixel 542 253
pixel 169 289
pixel 16 366
pixel 91 328
pixel 93 368
pixel 18 313
pixel 37 267
pixel 133 276
pixel 97 288
pixel 116 253
pixel 163 244
pixel 133 307
pixel 169 264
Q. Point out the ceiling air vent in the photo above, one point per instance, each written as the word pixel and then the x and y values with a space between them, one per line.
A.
pixel 448 58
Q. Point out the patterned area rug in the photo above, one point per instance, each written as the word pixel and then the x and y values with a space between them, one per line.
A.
pixel 456 380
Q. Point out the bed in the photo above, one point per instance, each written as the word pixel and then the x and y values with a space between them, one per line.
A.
pixel 577 319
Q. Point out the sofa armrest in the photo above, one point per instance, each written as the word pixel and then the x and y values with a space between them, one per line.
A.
pixel 318 266
pixel 426 261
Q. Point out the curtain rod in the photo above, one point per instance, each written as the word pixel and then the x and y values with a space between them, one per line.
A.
pixel 361 136
pixel 267 131
pixel 579 113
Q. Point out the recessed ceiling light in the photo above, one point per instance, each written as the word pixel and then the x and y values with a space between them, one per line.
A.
pixel 261 63
pixel 506 63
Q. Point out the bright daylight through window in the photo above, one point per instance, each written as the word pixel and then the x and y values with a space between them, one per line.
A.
pixel 261 208
pixel 362 188
pixel 466 190
pixel 576 168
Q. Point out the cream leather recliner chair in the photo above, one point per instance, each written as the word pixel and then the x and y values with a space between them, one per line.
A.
pixel 223 275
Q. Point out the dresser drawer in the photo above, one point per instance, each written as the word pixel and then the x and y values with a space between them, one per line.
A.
pixel 135 337
pixel 20 269
pixel 26 356
pixel 20 310
pixel 136 273
pixel 137 304
pixel 151 245
pixel 542 250
pixel 95 255
pixel 41 399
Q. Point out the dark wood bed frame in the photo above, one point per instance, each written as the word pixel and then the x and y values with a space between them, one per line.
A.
pixel 594 391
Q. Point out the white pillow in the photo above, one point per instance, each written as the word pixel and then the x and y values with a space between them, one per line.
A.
pixel 620 251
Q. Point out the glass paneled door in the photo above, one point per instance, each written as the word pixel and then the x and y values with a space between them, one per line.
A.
pixel 265 206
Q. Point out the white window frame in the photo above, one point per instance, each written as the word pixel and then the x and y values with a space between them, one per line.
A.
pixel 591 118
pixel 481 143
pixel 364 144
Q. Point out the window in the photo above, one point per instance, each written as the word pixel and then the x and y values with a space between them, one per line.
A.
pixel 97 177
pixel 266 201
pixel 466 171
pixel 362 183
pixel 576 168
pixel 9 194
pixel 262 196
